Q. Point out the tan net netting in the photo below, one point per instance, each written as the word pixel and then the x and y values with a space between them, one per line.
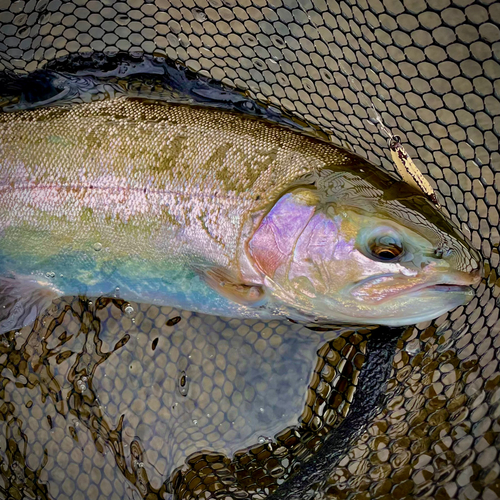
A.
pixel 102 399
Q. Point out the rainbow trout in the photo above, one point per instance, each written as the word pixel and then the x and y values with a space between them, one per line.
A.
pixel 215 212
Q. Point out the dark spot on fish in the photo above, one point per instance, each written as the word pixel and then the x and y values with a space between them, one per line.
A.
pixel 173 321
pixel 154 344
pixel 144 190
pixel 49 420
pixel 91 187
pixel 292 320
pixel 257 198
pixel 29 404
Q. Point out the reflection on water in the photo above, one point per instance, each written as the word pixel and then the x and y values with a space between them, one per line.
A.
pixel 106 398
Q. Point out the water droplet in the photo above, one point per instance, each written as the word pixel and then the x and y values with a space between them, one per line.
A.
pixel 261 410
pixel 50 274
pixel 129 310
pixel 461 331
pixel 278 41
pixel 277 471
pixel 173 321
pixel 442 328
pixel 183 384
pixel 184 40
pixel 97 247
pixel 195 422
pixel 117 292
pixel 413 347
pixel 122 19
pixel 264 439
pixel 154 344
pixel 199 15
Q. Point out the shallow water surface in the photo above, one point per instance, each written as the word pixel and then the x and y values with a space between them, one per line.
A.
pixel 107 398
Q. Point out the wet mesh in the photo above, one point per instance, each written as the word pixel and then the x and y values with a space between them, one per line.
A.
pixel 94 398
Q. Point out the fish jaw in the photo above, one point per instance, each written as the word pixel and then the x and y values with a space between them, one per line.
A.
pixel 422 305
pixel 396 300
pixel 386 287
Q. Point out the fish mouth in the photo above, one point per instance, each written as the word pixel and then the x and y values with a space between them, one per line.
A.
pixel 440 288
pixel 447 288
pixel 385 287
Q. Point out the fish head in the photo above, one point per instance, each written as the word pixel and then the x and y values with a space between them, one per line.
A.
pixel 357 254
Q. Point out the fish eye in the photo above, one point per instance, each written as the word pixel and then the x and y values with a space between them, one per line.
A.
pixel 385 247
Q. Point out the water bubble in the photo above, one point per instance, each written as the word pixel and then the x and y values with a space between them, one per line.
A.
pixel 50 274
pixel 117 292
pixel 277 471
pixel 81 385
pixel 264 439
pixel 129 310
pixel 97 247
pixel 195 422
pixel 199 15
pixel 183 384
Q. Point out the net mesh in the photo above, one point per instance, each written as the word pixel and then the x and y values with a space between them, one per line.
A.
pixel 431 69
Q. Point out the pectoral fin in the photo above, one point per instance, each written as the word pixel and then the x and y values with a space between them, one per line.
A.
pixel 21 301
pixel 229 286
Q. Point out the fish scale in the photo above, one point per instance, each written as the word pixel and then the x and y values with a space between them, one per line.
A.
pixel 124 159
